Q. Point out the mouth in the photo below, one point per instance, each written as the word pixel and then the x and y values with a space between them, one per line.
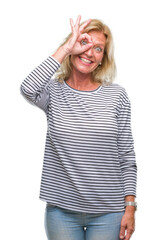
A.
pixel 85 60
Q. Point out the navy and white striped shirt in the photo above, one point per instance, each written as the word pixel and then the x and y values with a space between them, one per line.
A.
pixel 89 161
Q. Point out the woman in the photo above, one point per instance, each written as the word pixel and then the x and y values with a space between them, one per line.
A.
pixel 89 170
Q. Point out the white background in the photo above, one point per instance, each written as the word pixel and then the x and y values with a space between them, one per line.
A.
pixel 32 29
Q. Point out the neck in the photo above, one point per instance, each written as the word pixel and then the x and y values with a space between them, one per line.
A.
pixel 81 81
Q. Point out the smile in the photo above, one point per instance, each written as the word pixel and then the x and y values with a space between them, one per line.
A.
pixel 85 60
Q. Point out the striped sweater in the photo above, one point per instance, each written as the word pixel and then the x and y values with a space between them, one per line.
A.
pixel 89 160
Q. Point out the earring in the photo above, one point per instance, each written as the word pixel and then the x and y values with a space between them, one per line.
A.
pixel 99 63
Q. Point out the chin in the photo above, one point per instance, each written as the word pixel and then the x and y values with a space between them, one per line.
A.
pixel 84 71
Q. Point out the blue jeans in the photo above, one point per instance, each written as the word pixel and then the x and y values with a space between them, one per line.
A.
pixel 62 224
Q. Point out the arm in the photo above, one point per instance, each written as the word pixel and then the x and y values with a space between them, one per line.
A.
pixel 73 44
pixel 126 146
pixel 127 163
pixel 35 86
pixel 128 220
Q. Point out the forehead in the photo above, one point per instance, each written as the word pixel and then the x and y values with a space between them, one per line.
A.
pixel 97 37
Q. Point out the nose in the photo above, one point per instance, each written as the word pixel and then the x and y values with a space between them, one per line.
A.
pixel 89 52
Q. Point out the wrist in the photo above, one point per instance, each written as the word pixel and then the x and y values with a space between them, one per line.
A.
pixel 130 206
pixel 60 54
pixel 130 210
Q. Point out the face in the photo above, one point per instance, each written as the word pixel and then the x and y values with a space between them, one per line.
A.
pixel 89 60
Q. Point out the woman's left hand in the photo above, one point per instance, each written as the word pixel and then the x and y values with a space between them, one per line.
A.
pixel 128 225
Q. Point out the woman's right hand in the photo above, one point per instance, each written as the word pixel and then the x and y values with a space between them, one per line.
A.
pixel 74 45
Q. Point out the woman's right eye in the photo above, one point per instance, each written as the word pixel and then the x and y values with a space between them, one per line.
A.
pixel 83 42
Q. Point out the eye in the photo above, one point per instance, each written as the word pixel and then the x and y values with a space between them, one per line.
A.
pixel 83 42
pixel 98 49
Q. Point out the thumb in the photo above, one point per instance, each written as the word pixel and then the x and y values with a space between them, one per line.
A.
pixel 122 232
pixel 86 47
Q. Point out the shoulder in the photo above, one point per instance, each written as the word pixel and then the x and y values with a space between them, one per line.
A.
pixel 118 93
pixel 56 87
pixel 55 82
pixel 116 89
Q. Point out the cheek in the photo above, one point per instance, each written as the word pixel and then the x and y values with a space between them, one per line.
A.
pixel 74 60
pixel 100 57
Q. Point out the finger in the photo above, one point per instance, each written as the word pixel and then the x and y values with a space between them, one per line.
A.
pixel 84 48
pixel 77 24
pixel 129 233
pixel 122 232
pixel 84 25
pixel 128 236
pixel 85 36
pixel 72 24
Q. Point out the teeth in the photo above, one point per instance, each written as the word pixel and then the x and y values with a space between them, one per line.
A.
pixel 85 60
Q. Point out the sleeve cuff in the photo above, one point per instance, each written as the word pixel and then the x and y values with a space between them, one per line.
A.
pixel 55 60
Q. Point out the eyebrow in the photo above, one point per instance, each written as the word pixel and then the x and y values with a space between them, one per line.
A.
pixel 100 44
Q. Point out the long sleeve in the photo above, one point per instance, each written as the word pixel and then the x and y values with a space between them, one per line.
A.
pixel 35 85
pixel 126 146
pixel 89 160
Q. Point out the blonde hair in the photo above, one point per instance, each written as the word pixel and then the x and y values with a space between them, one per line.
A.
pixel 104 73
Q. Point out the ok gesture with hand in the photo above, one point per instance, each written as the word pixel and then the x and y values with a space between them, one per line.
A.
pixel 77 43
pixel 74 44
